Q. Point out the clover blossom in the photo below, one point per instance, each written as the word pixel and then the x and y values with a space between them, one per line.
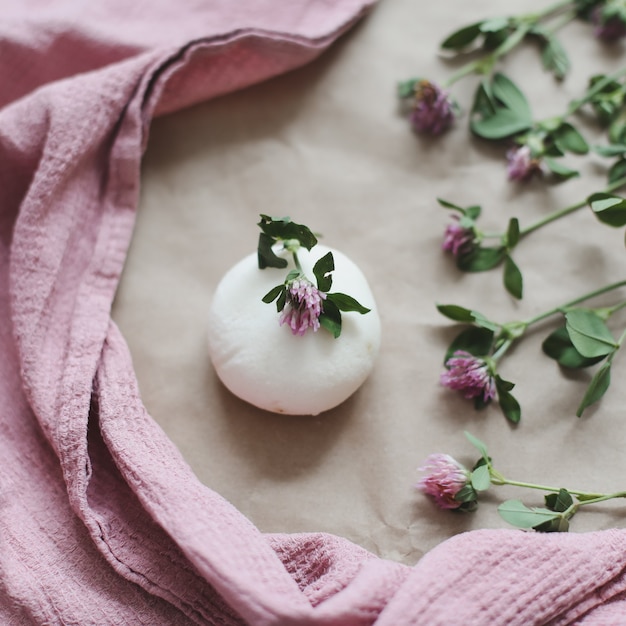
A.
pixel 607 28
pixel 457 239
pixel 303 306
pixel 521 164
pixel 470 375
pixel 445 478
pixel 433 109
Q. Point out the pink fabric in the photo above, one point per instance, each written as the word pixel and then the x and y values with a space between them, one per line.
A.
pixel 101 520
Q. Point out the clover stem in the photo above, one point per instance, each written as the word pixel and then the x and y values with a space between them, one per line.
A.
pixel 565 19
pixel 296 261
pixel 567 305
pixel 482 66
pixel 617 347
pixel 499 479
pixel 468 68
pixel 567 210
pixel 600 497
pixel 499 353
pixel 553 8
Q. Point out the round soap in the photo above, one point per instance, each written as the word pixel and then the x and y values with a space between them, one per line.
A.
pixel 264 364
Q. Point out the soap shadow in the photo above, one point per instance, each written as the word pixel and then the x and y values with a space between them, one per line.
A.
pixel 275 445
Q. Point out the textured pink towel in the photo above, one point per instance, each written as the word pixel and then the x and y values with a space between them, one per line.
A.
pixel 101 520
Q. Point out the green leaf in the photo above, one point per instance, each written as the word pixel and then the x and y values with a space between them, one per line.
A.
pixel 559 346
pixel 322 270
pixel 456 312
pixel 558 525
pixel 553 56
pixel 483 322
pixel 512 233
pixel 406 89
pixel 478 444
pixel 509 405
pixel 501 124
pixel 560 501
pixel 265 254
pixel 282 299
pixel 518 514
pixel 617 130
pixel 450 205
pixel 484 103
pixel 609 209
pixel 330 319
pixel 481 479
pixel 467 495
pixel 560 170
pixel 282 228
pixel 597 388
pixel 480 259
pixel 493 25
pixel 553 150
pixel 505 90
pixel 503 385
pixel 588 496
pixel 589 334
pixel 346 303
pixel 495 39
pixel 617 171
pixel 462 38
pixel 513 281
pixel 475 340
pixel 570 140
pixel 611 150
pixel 473 212
pixel 461 314
pixel 271 295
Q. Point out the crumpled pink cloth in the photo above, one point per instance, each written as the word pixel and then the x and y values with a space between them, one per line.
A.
pixel 101 520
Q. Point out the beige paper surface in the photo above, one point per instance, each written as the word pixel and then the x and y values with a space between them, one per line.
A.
pixel 327 146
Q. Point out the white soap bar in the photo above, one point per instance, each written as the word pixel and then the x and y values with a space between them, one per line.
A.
pixel 266 365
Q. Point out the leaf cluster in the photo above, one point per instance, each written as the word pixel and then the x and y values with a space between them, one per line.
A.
pixel 546 519
pixel 281 229
pixel 501 110
pixel 608 105
pixel 487 35
pixel 584 340
pixel 608 208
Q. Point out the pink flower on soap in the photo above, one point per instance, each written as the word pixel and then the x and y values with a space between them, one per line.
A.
pixel 470 375
pixel 444 479
pixel 522 166
pixel 303 307
pixel 433 109
pixel 456 239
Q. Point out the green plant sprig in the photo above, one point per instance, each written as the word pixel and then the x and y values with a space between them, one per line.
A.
pixel 292 237
pixel 498 36
pixel 583 340
pixel 476 257
pixel 560 504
